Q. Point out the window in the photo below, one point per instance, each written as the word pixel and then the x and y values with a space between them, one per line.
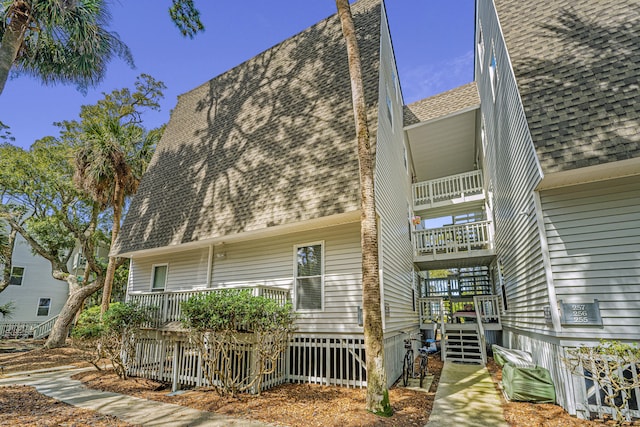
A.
pixel 493 73
pixel 389 106
pixel 44 304
pixel 480 47
pixel 309 277
pixel 17 273
pixel 159 278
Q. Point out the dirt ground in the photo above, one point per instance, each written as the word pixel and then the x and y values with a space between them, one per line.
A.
pixel 288 405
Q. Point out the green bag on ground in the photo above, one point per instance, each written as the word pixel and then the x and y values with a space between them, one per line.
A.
pixel 528 384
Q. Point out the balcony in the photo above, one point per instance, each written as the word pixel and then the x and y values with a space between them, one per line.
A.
pixel 449 191
pixel 454 246
pixel 168 303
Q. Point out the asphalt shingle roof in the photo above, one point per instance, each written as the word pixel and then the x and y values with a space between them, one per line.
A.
pixel 442 104
pixel 577 65
pixel 270 142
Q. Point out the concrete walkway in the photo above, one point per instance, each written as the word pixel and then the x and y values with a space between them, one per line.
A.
pixel 59 385
pixel 466 397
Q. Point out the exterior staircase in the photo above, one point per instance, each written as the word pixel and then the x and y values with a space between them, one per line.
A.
pixel 464 344
pixel 44 329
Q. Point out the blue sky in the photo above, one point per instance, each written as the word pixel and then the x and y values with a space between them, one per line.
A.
pixel 432 39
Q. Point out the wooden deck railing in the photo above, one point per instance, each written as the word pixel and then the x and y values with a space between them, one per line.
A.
pixel 448 188
pixel 454 238
pixel 168 303
pixel 43 329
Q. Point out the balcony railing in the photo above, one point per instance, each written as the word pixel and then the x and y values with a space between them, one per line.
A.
pixel 454 238
pixel 447 188
pixel 168 303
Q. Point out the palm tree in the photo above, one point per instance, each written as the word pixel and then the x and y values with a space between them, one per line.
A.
pixel 57 41
pixel 109 168
pixel 377 391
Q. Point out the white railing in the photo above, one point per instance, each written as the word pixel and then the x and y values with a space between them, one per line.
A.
pixel 43 329
pixel 488 308
pixel 448 188
pixel 9 330
pixel 454 238
pixel 168 303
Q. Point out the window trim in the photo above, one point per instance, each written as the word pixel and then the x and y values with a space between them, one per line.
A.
pixel 48 307
pixel 24 270
pixel 493 71
pixel 153 276
pixel 480 46
pixel 295 276
pixel 389 104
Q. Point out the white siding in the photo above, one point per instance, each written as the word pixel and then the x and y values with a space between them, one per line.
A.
pixel 37 283
pixel 512 172
pixel 186 270
pixel 593 233
pixel 393 190
pixel 271 262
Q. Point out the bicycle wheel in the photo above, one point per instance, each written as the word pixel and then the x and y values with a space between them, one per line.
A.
pixel 424 367
pixel 407 367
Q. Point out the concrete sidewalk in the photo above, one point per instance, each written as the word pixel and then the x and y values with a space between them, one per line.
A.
pixel 59 385
pixel 466 397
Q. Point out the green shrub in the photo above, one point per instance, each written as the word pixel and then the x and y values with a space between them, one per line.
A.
pixel 113 336
pixel 230 326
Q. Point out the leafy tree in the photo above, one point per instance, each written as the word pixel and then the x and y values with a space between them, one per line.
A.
pixel 7 309
pixel 115 152
pixel 58 41
pixel 112 335
pixel 223 323
pixel 42 205
pixel 186 17
pixel 377 400
pixel 52 214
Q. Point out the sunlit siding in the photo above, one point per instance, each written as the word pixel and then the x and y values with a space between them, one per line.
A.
pixel 270 262
pixel 185 270
pixel 593 232
pixel 392 186
pixel 37 282
pixel 512 172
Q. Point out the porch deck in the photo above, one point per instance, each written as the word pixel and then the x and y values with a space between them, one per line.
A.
pixel 168 302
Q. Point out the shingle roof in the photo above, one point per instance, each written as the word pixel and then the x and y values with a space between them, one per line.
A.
pixel 442 104
pixel 270 142
pixel 577 65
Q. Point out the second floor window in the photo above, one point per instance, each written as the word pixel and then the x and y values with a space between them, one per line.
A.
pixel 309 277
pixel 17 273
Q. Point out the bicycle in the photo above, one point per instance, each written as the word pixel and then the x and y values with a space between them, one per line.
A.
pixel 408 364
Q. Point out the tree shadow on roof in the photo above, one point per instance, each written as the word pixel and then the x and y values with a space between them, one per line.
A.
pixel 270 142
pixel 580 89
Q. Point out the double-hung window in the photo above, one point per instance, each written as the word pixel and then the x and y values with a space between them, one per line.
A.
pixel 309 271
pixel 44 304
pixel 17 273
pixel 159 277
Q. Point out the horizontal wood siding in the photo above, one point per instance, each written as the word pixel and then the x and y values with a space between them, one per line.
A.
pixel 511 174
pixel 393 198
pixel 186 270
pixel 593 233
pixel 37 282
pixel 271 262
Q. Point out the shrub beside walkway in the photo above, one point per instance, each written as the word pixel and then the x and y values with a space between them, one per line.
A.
pixel 59 385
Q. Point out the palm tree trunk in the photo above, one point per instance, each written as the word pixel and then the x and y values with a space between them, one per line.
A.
pixel 377 392
pixel 113 261
pixel 12 40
